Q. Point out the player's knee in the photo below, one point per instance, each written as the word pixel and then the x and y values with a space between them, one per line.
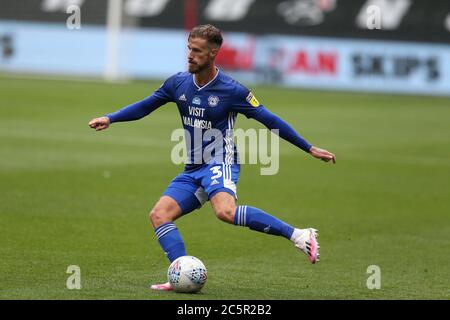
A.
pixel 225 214
pixel 159 217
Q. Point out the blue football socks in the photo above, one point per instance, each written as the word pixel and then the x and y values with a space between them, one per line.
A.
pixel 261 221
pixel 170 240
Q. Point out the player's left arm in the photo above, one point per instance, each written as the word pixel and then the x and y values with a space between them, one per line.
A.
pixel 251 108
pixel 288 133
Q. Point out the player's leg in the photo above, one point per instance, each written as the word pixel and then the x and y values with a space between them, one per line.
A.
pixel 220 183
pixel 223 200
pixel 181 197
pixel 162 217
pixel 224 206
pixel 165 211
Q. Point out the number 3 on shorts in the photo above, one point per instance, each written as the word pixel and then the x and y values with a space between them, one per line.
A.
pixel 216 171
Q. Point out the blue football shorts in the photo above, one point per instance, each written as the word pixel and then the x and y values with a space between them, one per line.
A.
pixel 193 187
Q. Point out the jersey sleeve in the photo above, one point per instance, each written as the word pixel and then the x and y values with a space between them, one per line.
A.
pixel 140 109
pixel 283 129
pixel 245 102
pixel 165 93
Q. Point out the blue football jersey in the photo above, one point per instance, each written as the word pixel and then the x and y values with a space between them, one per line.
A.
pixel 208 114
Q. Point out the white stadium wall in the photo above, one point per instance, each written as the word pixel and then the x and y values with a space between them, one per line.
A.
pixel 306 62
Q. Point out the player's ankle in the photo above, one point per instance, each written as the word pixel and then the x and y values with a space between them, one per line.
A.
pixel 296 234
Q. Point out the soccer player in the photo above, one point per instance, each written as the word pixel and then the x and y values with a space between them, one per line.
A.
pixel 208 100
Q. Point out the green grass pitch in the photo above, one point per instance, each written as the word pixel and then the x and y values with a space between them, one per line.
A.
pixel 73 196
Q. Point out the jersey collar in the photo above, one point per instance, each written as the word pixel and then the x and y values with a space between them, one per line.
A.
pixel 200 88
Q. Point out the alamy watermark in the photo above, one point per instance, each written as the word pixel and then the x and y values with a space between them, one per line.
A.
pixel 73 22
pixel 373 17
pixel 74 280
pixel 374 280
pixel 255 147
pixel 383 14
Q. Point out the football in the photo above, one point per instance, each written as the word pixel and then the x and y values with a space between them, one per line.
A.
pixel 187 274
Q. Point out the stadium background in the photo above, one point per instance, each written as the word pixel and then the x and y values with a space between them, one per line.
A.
pixel 377 98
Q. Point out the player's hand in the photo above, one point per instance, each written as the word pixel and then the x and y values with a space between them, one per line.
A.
pixel 99 123
pixel 322 154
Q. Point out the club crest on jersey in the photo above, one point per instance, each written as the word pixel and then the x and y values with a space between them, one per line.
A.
pixel 213 101
pixel 252 100
pixel 196 100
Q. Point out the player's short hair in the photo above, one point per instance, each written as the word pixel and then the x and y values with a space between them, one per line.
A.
pixel 209 32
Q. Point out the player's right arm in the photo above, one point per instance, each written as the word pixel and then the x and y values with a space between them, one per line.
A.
pixel 138 109
pixel 99 123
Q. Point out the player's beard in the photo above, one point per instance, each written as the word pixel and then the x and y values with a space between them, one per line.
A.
pixel 196 68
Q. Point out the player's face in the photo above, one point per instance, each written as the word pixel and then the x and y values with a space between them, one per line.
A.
pixel 200 54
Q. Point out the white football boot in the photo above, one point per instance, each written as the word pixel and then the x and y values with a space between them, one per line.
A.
pixel 162 287
pixel 306 241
